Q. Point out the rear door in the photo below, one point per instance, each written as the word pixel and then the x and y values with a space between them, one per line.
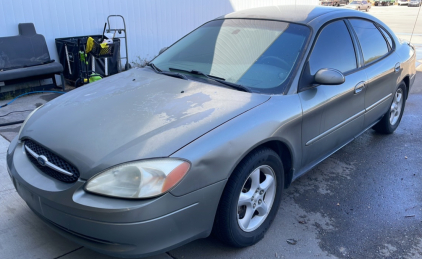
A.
pixel 382 66
pixel 332 114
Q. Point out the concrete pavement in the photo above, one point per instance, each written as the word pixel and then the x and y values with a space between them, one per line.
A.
pixel 353 205
pixel 402 20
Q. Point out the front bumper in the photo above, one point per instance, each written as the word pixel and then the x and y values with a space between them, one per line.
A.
pixel 117 227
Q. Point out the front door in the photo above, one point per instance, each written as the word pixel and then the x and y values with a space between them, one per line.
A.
pixel 332 114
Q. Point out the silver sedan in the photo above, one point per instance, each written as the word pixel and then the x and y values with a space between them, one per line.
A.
pixel 359 5
pixel 207 136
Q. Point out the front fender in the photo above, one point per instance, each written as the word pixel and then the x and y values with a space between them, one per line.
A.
pixel 215 155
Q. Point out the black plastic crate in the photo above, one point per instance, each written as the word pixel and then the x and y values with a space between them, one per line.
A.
pixel 99 52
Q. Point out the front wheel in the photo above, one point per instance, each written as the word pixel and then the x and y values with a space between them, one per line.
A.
pixel 391 119
pixel 250 199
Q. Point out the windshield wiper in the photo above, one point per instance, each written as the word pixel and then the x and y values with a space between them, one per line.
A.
pixel 215 78
pixel 159 71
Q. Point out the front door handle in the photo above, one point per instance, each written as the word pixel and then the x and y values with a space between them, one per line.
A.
pixel 359 87
pixel 397 67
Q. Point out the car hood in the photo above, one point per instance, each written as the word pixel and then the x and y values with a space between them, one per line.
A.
pixel 133 115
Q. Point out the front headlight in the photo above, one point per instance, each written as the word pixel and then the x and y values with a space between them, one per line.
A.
pixel 27 118
pixel 140 179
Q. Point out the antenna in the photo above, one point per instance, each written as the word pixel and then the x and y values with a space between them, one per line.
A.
pixel 415 24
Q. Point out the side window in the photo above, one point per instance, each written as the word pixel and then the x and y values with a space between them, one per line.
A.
pixel 333 49
pixel 371 41
pixel 387 36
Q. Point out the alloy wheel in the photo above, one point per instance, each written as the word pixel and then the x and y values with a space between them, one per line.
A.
pixel 396 107
pixel 256 198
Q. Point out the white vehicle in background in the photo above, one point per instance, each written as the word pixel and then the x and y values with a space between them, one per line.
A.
pixel 416 3
pixel 359 5
pixel 403 2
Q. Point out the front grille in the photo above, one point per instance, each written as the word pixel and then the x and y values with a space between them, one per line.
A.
pixel 54 159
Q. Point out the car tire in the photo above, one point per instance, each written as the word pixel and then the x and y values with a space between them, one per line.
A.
pixel 391 119
pixel 232 224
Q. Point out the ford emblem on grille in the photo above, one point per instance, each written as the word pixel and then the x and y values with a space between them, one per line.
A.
pixel 42 160
pixel 50 163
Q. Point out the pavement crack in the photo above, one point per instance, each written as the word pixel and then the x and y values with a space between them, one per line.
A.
pixel 74 250
pixel 11 189
pixel 171 255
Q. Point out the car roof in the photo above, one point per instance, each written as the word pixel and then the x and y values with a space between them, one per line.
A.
pixel 289 13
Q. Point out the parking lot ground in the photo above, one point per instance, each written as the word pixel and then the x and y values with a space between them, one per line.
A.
pixel 401 19
pixel 365 201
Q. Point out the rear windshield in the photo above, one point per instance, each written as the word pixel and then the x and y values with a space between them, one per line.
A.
pixel 258 54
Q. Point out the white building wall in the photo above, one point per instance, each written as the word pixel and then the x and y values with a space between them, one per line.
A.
pixel 151 24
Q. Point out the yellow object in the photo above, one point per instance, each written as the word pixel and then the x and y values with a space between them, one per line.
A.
pixel 89 45
pixel 103 45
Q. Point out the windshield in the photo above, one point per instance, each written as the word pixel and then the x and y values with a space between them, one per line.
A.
pixel 356 2
pixel 257 54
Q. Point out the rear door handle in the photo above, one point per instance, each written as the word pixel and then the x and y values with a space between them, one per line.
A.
pixel 359 87
pixel 397 67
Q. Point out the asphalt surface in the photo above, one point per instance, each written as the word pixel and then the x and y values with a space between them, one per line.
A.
pixel 365 201
pixel 402 20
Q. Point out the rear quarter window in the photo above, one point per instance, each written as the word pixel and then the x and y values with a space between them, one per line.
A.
pixel 387 36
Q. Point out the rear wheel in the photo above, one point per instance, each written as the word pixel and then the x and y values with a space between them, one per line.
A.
pixel 391 119
pixel 250 199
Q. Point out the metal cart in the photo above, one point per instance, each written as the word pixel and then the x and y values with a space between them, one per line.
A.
pixel 110 30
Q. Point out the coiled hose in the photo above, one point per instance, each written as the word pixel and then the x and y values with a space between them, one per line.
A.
pixel 34 92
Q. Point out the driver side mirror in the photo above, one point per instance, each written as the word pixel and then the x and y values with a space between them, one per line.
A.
pixel 162 50
pixel 329 76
